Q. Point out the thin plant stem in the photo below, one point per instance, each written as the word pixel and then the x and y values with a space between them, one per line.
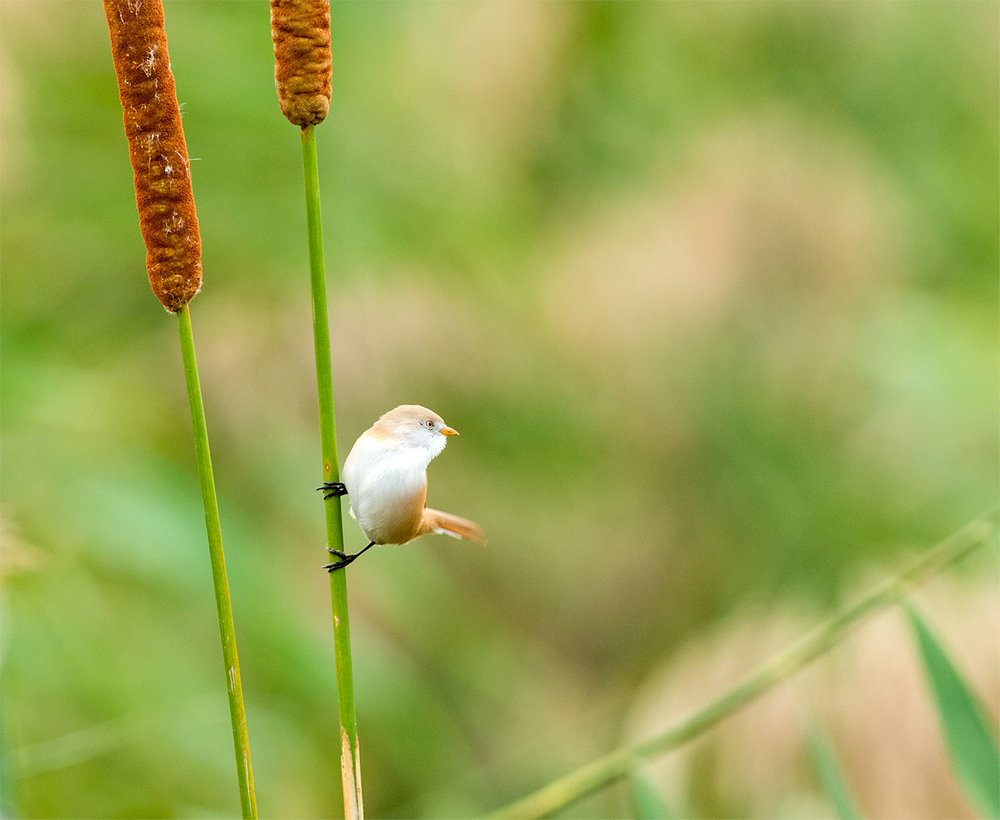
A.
pixel 350 762
pixel 618 764
pixel 223 604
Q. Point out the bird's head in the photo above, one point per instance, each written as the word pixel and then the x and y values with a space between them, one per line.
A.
pixel 415 426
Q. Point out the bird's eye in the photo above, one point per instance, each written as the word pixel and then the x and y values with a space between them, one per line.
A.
pixel 429 424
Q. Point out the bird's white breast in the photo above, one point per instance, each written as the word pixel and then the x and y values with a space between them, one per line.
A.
pixel 386 485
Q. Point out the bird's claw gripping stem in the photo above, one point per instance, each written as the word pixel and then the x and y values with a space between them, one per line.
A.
pixel 345 559
pixel 332 489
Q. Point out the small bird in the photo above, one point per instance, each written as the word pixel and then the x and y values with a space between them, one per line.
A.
pixel 385 475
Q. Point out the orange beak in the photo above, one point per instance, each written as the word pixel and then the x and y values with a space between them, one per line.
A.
pixel 447 431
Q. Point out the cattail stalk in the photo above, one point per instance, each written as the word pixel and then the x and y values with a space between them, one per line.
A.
pixel 173 261
pixel 300 30
pixel 224 608
pixel 350 759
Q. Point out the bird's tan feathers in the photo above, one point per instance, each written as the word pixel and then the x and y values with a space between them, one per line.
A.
pixel 453 525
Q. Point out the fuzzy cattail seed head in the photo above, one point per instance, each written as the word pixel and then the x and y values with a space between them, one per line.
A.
pixel 157 149
pixel 303 65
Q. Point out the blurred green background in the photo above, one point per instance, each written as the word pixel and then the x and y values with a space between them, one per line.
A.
pixel 709 289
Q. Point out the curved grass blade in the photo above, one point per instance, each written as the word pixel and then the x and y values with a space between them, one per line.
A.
pixel 831 776
pixel 972 744
pixel 647 801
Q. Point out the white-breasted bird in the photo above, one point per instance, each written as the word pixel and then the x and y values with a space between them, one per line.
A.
pixel 385 475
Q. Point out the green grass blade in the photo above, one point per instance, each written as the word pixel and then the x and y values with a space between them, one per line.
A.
pixel 828 769
pixel 647 802
pixel 971 743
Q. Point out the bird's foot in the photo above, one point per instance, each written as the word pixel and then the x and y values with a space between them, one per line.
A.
pixel 332 489
pixel 345 559
pixel 339 564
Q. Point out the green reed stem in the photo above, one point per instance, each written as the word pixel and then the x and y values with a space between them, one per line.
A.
pixel 350 762
pixel 618 764
pixel 224 606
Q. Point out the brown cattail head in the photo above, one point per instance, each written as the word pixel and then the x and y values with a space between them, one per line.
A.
pixel 302 62
pixel 157 149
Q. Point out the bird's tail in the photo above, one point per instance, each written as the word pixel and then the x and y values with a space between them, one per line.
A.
pixel 447 524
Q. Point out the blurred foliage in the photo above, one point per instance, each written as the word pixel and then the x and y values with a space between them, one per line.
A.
pixel 709 289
